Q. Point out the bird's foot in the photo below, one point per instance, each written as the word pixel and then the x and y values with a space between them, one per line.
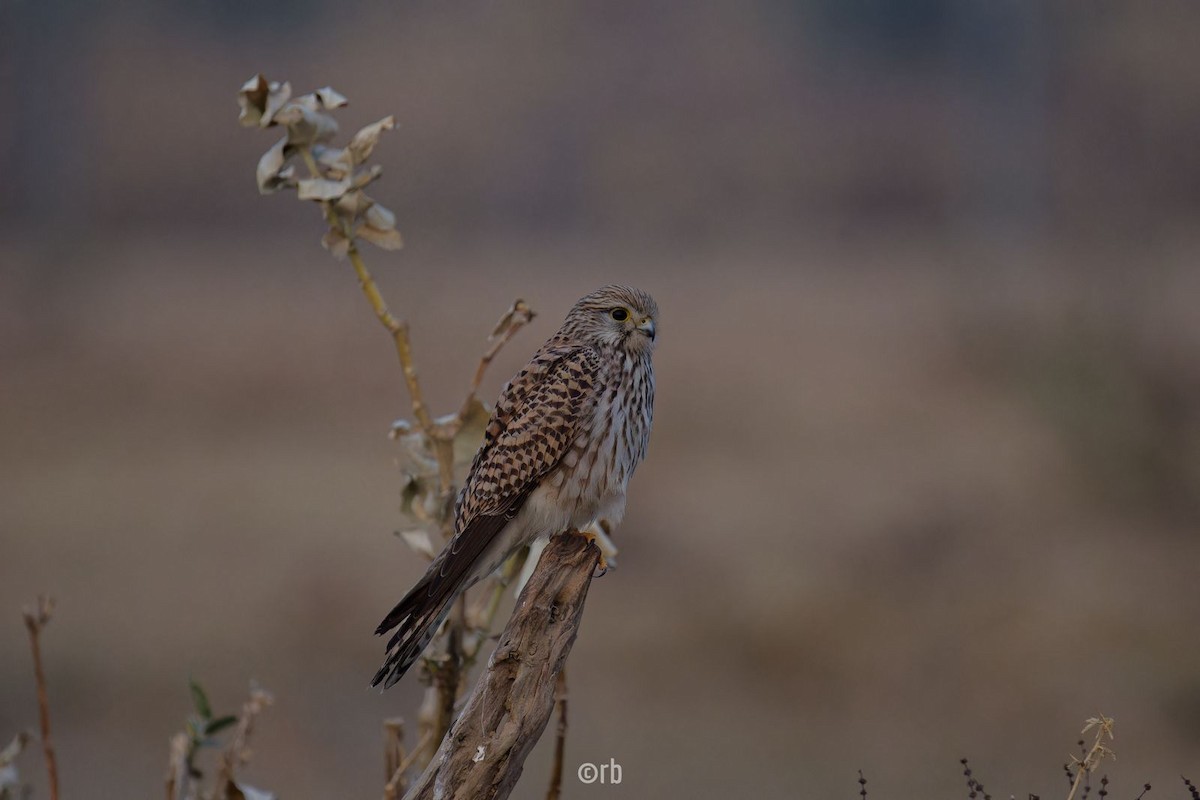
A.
pixel 602 563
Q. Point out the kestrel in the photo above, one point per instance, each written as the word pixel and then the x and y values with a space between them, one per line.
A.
pixel 566 435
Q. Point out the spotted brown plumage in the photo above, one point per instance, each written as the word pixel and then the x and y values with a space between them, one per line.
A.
pixel 563 440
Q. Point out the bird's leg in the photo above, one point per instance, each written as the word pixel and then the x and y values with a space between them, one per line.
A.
pixel 594 538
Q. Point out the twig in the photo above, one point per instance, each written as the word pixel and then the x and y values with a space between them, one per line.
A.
pixel 560 737
pixel 399 331
pixel 1098 752
pixel 448 678
pixel 397 781
pixel 237 753
pixel 179 778
pixel 483 755
pixel 36 620
pixel 517 317
pixel 393 749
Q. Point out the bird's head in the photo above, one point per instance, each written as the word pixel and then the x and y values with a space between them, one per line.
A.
pixel 615 316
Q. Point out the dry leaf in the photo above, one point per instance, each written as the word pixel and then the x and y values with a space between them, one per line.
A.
pixel 322 188
pixel 364 141
pixel 365 176
pixel 306 125
pixel 380 228
pixel 339 181
pixel 252 98
pixel 277 98
pixel 354 204
pixel 336 243
pixel 419 500
pixel 416 455
pixel 272 173
pixel 470 432
pixel 410 493
pixel 330 98
pixel 333 161
pixel 385 240
pixel 260 100
pixel 380 218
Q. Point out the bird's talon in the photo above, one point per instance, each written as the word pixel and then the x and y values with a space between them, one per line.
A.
pixel 602 562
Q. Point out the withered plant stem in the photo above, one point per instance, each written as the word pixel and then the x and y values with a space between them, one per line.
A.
pixel 397 782
pixel 1096 754
pixel 35 621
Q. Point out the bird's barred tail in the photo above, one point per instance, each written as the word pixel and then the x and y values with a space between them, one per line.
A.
pixel 418 616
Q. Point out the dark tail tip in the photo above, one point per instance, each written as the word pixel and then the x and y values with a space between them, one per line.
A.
pixel 394 667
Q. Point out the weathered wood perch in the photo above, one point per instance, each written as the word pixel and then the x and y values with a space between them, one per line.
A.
pixel 482 756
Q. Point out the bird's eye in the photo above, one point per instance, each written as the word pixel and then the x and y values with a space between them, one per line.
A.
pixel 619 314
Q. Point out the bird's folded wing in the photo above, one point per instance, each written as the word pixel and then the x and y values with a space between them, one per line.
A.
pixel 537 419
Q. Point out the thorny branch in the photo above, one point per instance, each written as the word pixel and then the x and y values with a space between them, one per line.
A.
pixel 36 619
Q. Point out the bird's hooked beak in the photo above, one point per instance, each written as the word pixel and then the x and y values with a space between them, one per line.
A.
pixel 647 327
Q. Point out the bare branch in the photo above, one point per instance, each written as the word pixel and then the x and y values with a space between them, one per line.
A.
pixel 484 753
pixel 398 781
pixel 399 331
pixel 36 620
pixel 238 752
pixel 449 677
pixel 179 777
pixel 1104 732
pixel 393 748
pixel 518 316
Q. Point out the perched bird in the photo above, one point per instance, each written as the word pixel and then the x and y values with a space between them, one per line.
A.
pixel 557 454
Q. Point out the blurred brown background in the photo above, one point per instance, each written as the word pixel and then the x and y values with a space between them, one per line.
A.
pixel 925 481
